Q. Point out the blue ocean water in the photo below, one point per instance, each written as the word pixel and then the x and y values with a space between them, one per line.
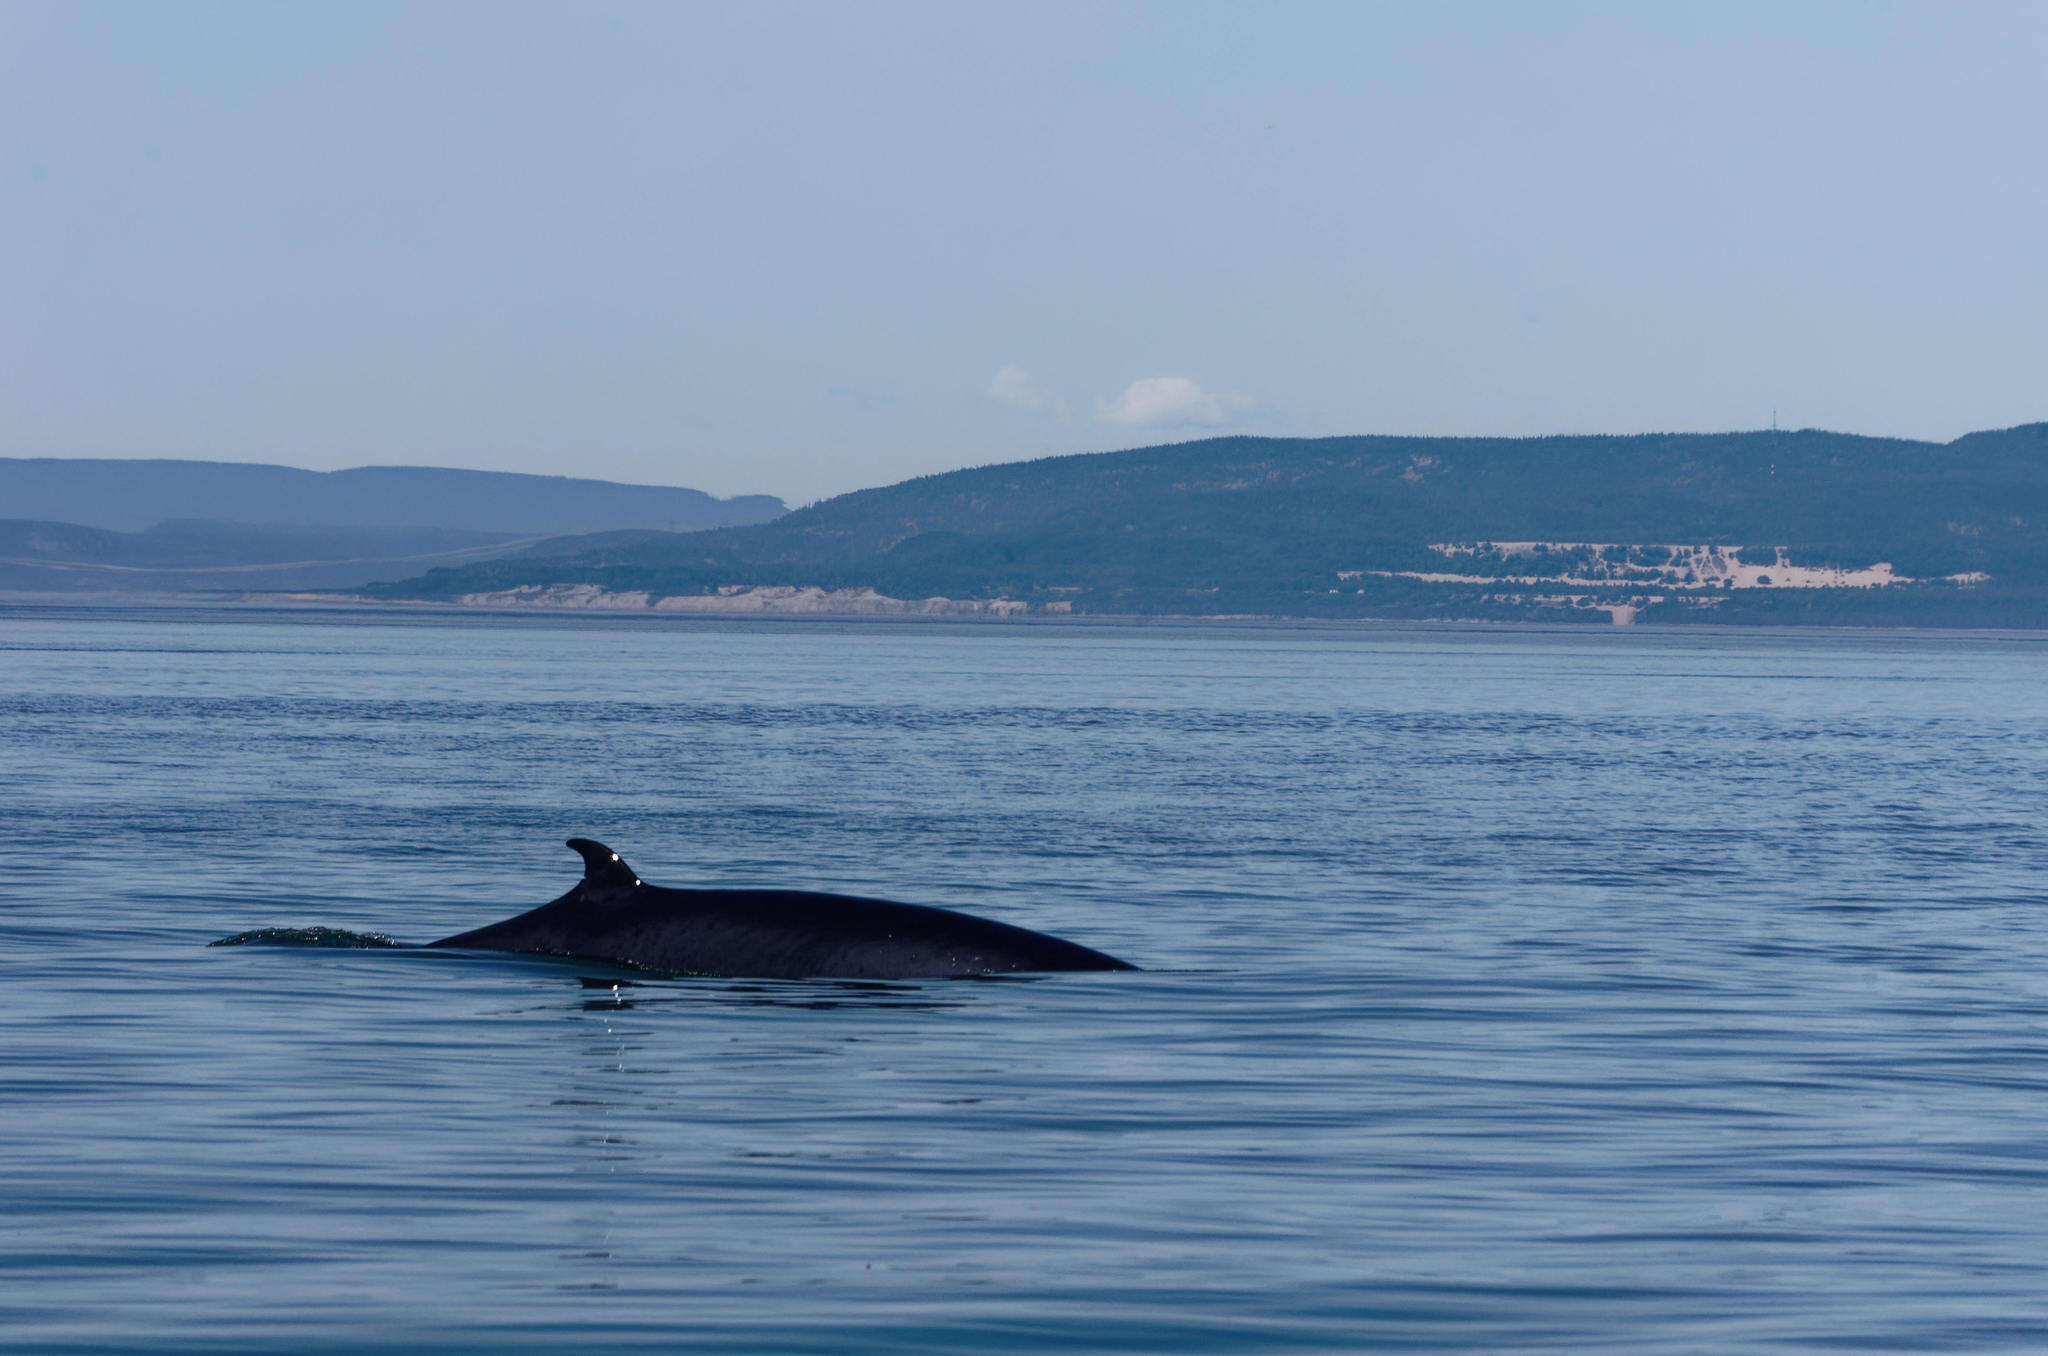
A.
pixel 1505 990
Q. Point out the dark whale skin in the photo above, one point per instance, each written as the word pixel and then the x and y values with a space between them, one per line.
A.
pixel 614 916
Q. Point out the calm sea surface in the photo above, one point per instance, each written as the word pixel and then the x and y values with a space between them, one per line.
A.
pixel 1588 991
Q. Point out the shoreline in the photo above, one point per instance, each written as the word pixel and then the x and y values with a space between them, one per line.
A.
pixel 342 604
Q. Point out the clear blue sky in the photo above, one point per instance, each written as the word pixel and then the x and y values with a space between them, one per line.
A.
pixel 804 248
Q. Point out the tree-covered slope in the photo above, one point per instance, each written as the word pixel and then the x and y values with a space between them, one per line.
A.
pixel 1341 526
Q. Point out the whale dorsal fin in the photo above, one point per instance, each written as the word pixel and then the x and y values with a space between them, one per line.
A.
pixel 602 867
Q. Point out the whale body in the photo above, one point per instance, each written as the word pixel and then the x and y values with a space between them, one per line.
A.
pixel 612 915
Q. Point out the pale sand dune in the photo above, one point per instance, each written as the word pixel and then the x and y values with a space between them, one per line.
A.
pixel 736 600
pixel 1704 567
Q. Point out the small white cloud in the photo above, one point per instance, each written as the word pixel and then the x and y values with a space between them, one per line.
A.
pixel 1014 386
pixel 1169 400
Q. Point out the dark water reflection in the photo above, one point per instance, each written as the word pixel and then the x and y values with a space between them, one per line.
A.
pixel 808 995
pixel 1505 991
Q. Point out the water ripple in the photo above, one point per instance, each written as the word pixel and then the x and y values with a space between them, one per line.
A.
pixel 1505 991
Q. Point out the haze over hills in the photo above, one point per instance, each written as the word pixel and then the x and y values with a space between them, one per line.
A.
pixel 1761 527
pixel 184 525
pixel 128 496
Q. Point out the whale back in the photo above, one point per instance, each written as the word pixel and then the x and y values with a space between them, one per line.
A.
pixel 612 915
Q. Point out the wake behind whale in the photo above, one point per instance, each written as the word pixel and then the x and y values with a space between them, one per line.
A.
pixel 613 916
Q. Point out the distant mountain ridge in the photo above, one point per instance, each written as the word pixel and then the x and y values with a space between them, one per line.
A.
pixel 1677 527
pixel 181 526
pixel 132 495
pixel 181 556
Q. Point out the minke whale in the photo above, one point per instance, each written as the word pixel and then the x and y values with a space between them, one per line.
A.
pixel 612 915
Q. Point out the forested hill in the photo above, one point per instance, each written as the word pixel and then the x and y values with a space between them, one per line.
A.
pixel 1766 526
pixel 131 495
